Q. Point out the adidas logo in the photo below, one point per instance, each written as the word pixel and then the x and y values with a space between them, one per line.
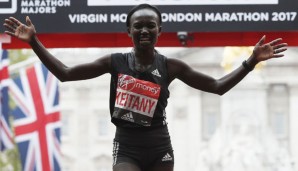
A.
pixel 156 73
pixel 128 117
pixel 167 157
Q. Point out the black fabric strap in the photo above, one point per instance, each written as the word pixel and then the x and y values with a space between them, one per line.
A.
pixel 246 66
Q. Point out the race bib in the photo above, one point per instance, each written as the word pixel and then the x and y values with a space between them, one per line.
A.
pixel 136 100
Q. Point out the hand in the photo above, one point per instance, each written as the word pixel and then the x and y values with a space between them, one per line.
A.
pixel 269 50
pixel 19 30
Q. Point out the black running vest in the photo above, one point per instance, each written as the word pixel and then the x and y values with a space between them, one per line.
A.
pixel 138 99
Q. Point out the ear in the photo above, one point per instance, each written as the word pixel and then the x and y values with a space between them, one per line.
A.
pixel 128 32
pixel 159 31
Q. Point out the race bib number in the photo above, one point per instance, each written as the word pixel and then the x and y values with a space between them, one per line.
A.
pixel 136 100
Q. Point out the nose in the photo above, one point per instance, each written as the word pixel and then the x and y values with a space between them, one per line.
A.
pixel 144 30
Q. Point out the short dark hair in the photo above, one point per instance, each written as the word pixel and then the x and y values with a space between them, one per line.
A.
pixel 142 6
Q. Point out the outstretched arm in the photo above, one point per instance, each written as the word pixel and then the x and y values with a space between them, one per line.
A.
pixel 27 33
pixel 261 52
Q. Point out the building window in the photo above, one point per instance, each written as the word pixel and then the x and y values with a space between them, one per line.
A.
pixel 278 108
pixel 210 114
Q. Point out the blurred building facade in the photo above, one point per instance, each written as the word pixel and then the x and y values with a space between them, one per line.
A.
pixel 252 127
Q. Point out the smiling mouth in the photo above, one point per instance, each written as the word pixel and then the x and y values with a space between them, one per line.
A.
pixel 144 39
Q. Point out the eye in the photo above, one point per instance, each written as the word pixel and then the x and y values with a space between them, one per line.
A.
pixel 151 26
pixel 137 26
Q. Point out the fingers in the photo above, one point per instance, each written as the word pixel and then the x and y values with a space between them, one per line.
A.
pixel 278 46
pixel 277 51
pixel 7 24
pixel 274 42
pixel 11 23
pixel 278 55
pixel 10 26
pixel 9 33
pixel 28 21
pixel 261 41
pixel 15 21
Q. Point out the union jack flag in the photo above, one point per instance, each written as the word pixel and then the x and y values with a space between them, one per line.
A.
pixel 6 140
pixel 37 118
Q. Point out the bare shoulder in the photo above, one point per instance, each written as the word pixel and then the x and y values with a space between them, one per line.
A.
pixel 173 61
pixel 106 59
pixel 175 67
pixel 104 62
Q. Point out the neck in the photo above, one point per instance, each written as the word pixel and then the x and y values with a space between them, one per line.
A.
pixel 144 56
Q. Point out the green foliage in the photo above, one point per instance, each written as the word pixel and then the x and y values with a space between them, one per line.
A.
pixel 16 56
pixel 9 160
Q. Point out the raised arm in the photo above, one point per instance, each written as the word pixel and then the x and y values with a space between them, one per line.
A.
pixel 197 80
pixel 27 33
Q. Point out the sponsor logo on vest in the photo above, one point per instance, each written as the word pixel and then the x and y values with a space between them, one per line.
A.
pixel 167 157
pixel 126 82
pixel 135 95
pixel 156 73
pixel 145 87
pixel 128 117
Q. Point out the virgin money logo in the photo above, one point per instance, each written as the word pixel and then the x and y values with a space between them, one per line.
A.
pixel 126 82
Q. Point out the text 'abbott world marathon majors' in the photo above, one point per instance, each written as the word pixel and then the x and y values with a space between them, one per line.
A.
pixel 102 16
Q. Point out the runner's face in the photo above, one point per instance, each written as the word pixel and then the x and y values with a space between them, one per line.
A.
pixel 144 28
